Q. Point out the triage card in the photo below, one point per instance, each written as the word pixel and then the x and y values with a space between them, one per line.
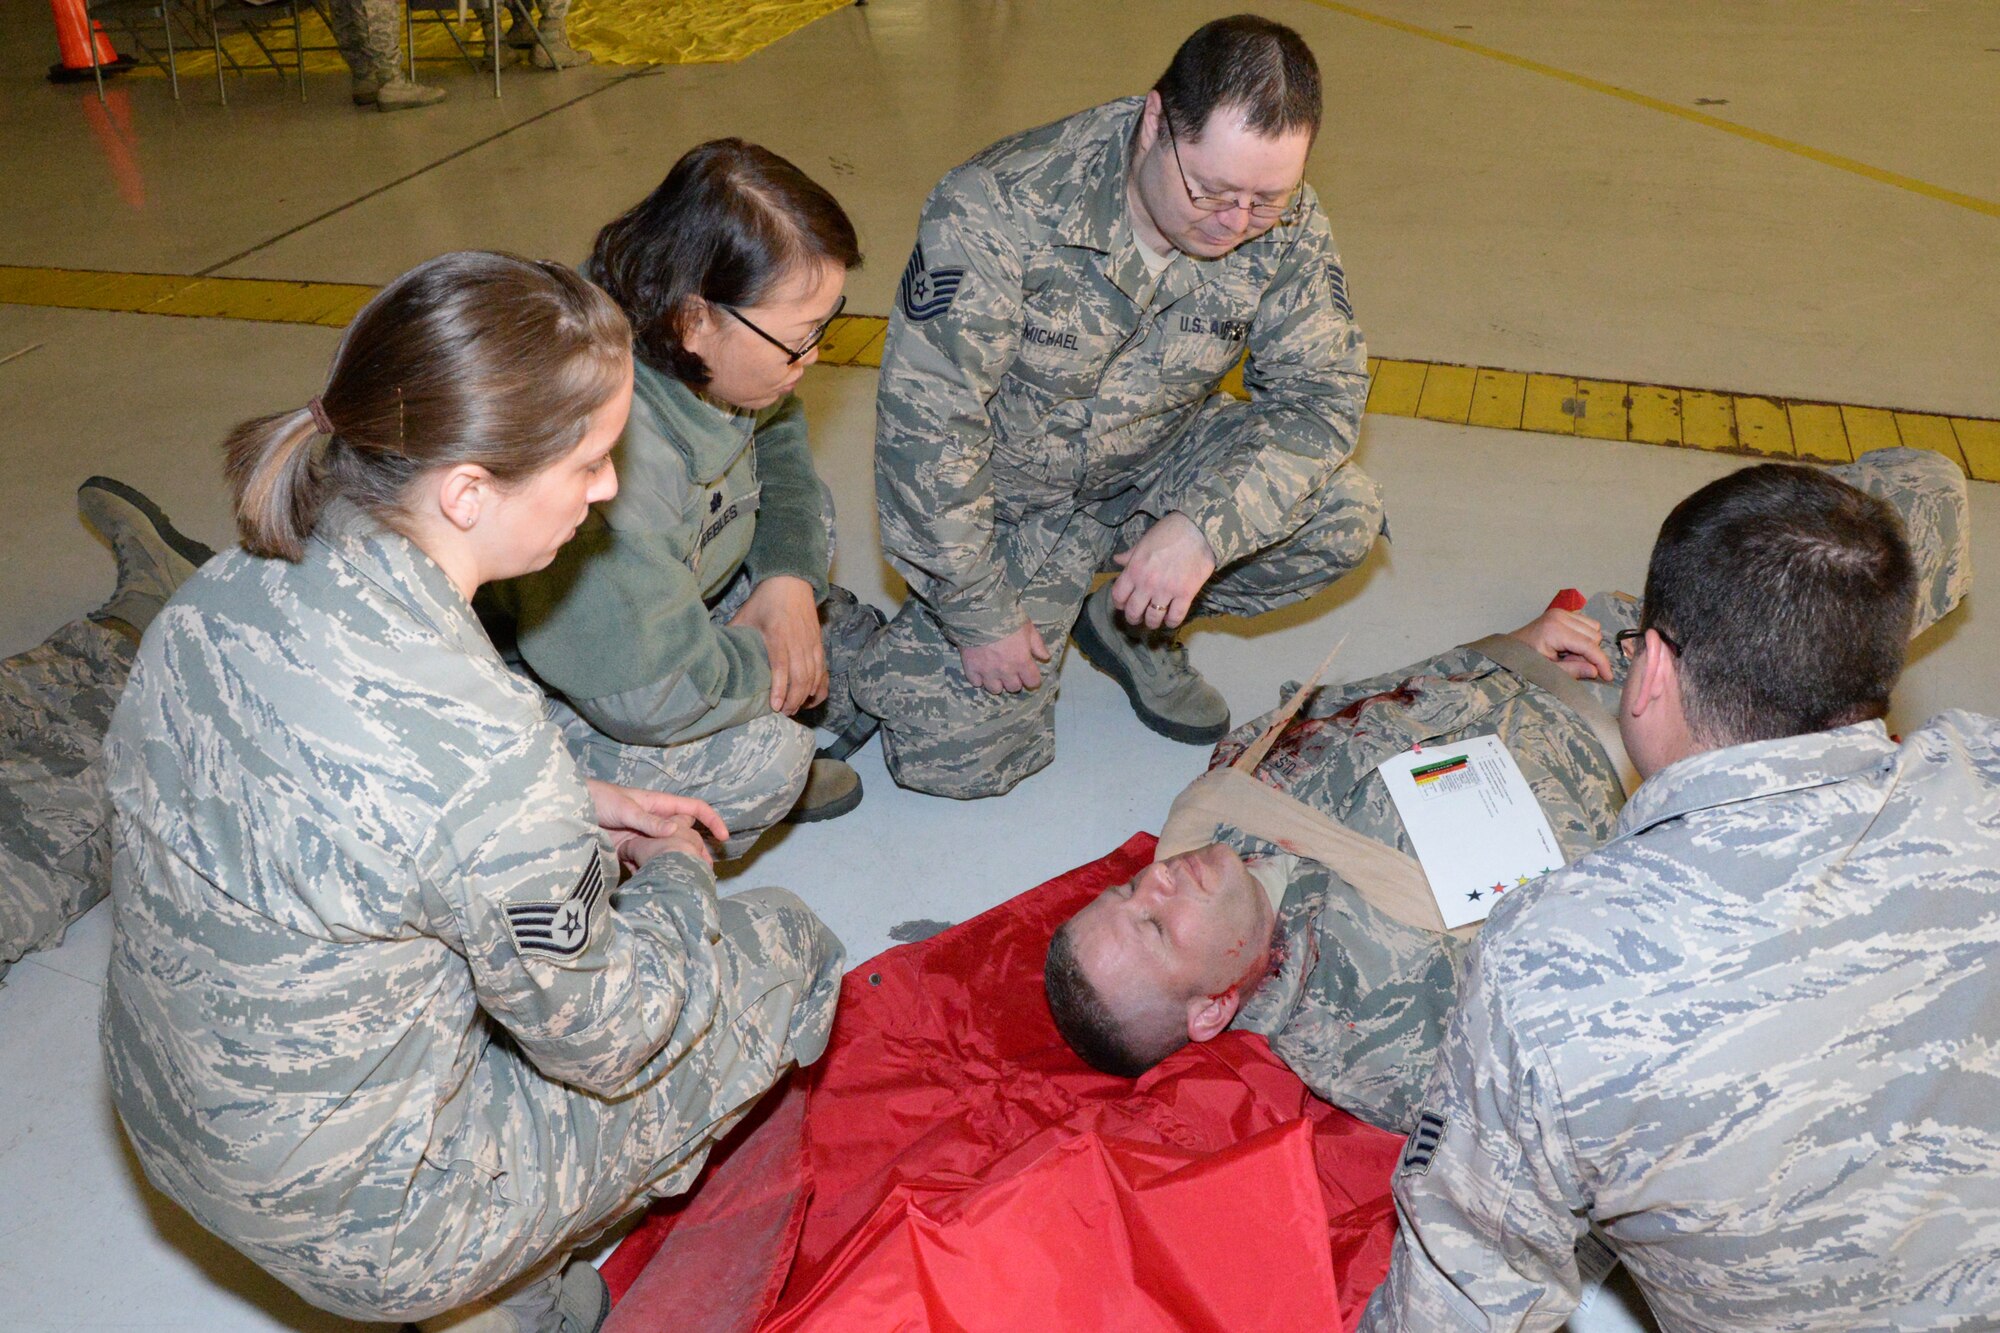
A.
pixel 1474 822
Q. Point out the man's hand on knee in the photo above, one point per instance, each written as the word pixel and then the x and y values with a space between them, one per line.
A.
pixel 1009 665
pixel 1163 573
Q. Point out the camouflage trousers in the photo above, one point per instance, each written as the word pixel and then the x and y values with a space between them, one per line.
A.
pixel 945 736
pixel 751 773
pixel 55 702
pixel 540 1167
pixel 370 34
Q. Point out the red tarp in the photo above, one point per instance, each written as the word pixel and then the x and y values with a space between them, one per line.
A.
pixel 949 1164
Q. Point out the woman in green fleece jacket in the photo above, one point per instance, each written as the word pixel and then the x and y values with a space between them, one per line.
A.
pixel 692 615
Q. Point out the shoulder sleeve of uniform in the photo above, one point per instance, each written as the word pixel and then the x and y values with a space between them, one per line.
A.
pixel 523 889
pixel 1307 376
pixel 952 336
pixel 1488 1201
pixel 618 617
pixel 791 535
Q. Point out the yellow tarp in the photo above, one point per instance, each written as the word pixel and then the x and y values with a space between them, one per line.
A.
pixel 617 32
pixel 688 32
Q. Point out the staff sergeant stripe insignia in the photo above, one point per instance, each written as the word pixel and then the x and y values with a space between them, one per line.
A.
pixel 559 929
pixel 1423 1144
pixel 927 292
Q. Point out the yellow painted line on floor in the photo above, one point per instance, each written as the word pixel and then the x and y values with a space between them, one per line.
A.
pixel 1763 427
pixel 1870 428
pixel 1447 393
pixel 1981 442
pixel 1496 399
pixel 1922 431
pixel 331 304
pixel 1938 192
pixel 1708 421
pixel 1655 414
pixel 1486 396
pixel 1818 434
pixel 1600 410
pixel 1549 405
pixel 1397 388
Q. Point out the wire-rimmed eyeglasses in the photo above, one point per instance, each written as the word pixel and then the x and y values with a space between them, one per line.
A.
pixel 1217 203
pixel 793 355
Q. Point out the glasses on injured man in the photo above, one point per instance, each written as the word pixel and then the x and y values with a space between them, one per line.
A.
pixel 792 355
pixel 1630 640
pixel 1286 212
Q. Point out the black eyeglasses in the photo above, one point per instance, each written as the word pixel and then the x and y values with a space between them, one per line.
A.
pixel 1628 641
pixel 1216 203
pixel 792 355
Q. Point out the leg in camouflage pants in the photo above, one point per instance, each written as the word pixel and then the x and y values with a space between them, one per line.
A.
pixel 945 736
pixel 55 846
pixel 548 1166
pixel 752 773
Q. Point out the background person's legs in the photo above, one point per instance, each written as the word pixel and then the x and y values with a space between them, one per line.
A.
pixel 55 854
pixel 553 51
pixel 369 33
pixel 55 703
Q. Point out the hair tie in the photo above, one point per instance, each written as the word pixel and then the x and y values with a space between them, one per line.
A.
pixel 321 423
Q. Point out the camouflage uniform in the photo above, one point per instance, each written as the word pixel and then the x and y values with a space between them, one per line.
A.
pixel 1359 1003
pixel 370 35
pixel 55 701
pixel 1748 1039
pixel 630 624
pixel 379 1012
pixel 1043 402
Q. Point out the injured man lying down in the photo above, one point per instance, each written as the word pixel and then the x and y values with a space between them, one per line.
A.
pixel 1265 912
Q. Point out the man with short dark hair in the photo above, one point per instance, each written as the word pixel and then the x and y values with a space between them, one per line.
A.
pixel 1352 998
pixel 1749 1038
pixel 1049 411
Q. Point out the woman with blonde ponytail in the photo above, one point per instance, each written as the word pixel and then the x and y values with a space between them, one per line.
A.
pixel 372 1015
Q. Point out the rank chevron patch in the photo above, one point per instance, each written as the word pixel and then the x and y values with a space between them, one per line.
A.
pixel 1422 1145
pixel 560 929
pixel 926 293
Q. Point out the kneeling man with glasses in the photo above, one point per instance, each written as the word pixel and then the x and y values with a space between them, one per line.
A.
pixel 1049 411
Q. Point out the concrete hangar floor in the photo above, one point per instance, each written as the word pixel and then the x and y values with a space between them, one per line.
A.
pixel 1599 252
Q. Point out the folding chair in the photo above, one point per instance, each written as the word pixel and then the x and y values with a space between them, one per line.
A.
pixel 257 21
pixel 448 14
pixel 130 18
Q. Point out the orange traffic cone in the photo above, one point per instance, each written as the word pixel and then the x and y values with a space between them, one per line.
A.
pixel 75 32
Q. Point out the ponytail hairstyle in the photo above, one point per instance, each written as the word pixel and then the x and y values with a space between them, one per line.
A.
pixel 472 357
pixel 729 223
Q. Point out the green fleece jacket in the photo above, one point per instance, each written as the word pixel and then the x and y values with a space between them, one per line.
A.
pixel 619 624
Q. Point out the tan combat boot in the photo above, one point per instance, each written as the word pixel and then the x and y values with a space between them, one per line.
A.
pixel 1166 691
pixel 398 93
pixel 832 789
pixel 153 556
